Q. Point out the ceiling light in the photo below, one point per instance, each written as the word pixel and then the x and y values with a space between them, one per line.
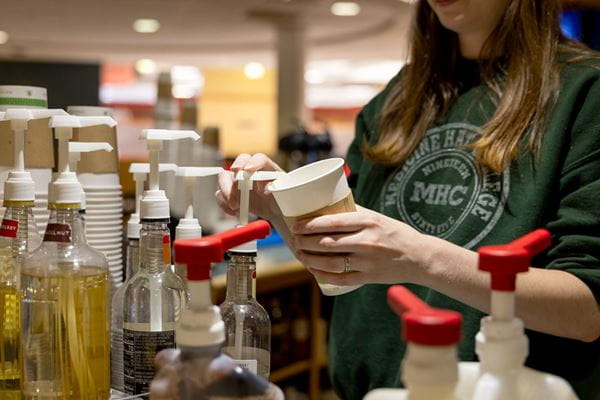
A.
pixel 187 81
pixel 314 76
pixel 146 25
pixel 254 70
pixel 345 9
pixel 3 37
pixel 145 66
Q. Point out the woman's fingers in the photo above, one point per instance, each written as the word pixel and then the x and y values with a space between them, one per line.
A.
pixel 345 279
pixel 260 161
pixel 343 222
pixel 329 263
pixel 224 203
pixel 329 243
pixel 228 195
pixel 240 162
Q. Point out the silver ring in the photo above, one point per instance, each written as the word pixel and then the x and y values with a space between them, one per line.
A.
pixel 347 266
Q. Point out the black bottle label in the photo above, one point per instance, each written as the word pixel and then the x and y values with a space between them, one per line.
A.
pixel 139 350
pixel 58 233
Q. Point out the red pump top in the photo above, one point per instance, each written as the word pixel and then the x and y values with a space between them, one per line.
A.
pixel 198 254
pixel 423 324
pixel 505 261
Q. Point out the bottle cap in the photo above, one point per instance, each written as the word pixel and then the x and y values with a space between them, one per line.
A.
pixel 198 254
pixel 201 323
pixel 154 203
pixel 505 261
pixel 423 324
pixel 140 173
pixel 19 185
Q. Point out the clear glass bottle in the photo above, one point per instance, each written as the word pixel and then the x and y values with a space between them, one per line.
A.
pixel 154 299
pixel 65 314
pixel 116 323
pixel 18 235
pixel 247 324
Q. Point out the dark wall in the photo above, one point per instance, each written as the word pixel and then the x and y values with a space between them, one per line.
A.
pixel 67 84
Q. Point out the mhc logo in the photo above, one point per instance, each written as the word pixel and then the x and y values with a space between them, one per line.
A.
pixel 440 188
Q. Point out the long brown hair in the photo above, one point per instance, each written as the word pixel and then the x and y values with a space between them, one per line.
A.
pixel 518 63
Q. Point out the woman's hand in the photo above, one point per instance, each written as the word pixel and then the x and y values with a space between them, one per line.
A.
pixel 261 200
pixel 379 249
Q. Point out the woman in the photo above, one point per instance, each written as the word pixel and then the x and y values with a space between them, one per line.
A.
pixel 490 131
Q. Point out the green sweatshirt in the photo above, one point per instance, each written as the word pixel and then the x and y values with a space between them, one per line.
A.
pixel 441 191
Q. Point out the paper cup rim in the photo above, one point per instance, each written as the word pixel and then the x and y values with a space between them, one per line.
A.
pixel 339 162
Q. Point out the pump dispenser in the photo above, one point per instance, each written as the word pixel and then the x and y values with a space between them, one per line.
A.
pixel 430 366
pixel 199 368
pixel 64 295
pixel 247 323
pixel 140 172
pixel 501 344
pixel 189 227
pixel 18 236
pixel 154 296
pixel 75 150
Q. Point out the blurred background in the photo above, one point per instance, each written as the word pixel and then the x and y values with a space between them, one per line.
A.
pixel 257 70
pixel 282 77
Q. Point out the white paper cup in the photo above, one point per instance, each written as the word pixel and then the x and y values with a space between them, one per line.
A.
pixel 103 206
pixel 104 244
pixel 315 189
pixel 96 180
pixel 90 111
pixel 108 213
pixel 103 247
pixel 323 182
pixel 99 229
pixel 91 221
pixel 107 235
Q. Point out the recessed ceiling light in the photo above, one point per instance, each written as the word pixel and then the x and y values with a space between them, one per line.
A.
pixel 146 25
pixel 254 70
pixel 145 66
pixel 3 37
pixel 345 9
pixel 314 76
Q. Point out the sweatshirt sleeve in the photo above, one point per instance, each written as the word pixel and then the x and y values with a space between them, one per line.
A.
pixel 576 227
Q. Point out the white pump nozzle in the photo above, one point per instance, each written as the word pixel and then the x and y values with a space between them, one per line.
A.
pixel 140 173
pixel 19 186
pixel 188 226
pixel 75 150
pixel 66 189
pixel 245 180
pixel 154 204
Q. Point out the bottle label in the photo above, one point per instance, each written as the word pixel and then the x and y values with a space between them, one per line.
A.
pixel 9 228
pixel 58 233
pixel 167 249
pixel 248 365
pixel 139 350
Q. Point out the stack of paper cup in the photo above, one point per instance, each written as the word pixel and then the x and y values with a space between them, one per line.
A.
pixel 104 225
pixel 325 184
pixel 14 96
pixel 104 207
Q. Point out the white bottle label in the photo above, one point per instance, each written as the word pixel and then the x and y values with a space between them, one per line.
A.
pixel 248 365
